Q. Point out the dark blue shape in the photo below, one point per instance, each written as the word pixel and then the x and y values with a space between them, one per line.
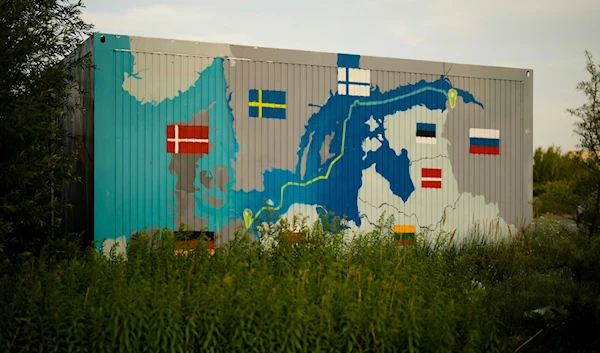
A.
pixel 425 127
pixel 277 97
pixel 274 113
pixel 338 193
pixel 478 141
pixel 468 97
pixel 253 112
pixel 268 96
pixel 253 95
pixel 348 60
pixel 268 113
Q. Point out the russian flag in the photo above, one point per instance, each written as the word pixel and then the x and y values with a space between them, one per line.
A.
pixel 484 141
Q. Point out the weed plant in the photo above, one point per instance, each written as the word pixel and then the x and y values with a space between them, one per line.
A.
pixel 325 293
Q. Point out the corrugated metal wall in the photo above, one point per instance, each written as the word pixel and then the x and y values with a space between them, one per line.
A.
pixel 80 124
pixel 218 137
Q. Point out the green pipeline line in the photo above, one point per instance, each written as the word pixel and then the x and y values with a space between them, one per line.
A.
pixel 326 176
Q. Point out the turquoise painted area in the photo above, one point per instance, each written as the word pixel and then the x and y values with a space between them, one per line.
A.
pixel 134 187
pixel 105 186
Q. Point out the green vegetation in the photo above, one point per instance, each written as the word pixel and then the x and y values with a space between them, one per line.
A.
pixel 320 294
pixel 569 184
pixel 587 127
pixel 35 85
pixel 560 182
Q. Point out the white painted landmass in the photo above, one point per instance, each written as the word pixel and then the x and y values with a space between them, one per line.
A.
pixel 300 211
pixel 308 211
pixel 120 247
pixel 372 124
pixel 434 209
pixel 157 77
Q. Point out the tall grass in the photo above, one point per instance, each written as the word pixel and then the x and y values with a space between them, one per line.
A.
pixel 325 293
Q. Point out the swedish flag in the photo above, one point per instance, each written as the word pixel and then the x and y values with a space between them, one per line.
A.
pixel 266 104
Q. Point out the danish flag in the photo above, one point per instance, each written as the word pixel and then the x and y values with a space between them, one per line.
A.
pixel 191 139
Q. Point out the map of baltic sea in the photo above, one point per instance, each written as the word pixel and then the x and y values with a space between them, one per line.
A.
pixel 231 141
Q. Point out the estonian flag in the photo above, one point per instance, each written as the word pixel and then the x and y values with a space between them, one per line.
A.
pixel 484 141
pixel 426 133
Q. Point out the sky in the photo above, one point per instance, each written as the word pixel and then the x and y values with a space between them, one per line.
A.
pixel 546 36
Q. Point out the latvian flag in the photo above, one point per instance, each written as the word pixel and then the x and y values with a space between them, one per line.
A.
pixel 191 139
pixel 404 235
pixel 431 178
pixel 426 133
pixel 484 141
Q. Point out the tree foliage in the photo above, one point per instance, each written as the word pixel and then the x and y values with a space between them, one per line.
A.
pixel 559 182
pixel 587 127
pixel 588 124
pixel 550 165
pixel 36 80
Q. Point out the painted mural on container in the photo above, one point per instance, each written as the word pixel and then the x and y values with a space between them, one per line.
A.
pixel 215 144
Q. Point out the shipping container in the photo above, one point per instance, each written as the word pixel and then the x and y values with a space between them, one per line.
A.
pixel 223 137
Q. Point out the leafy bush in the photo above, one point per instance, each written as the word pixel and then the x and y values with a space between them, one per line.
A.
pixel 550 165
pixel 557 197
pixel 37 85
pixel 561 183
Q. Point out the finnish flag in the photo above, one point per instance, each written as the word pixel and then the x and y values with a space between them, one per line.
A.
pixel 354 82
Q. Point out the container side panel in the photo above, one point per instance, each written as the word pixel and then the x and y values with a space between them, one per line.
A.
pixel 216 141
pixel 493 172
pixel 80 123
pixel 105 137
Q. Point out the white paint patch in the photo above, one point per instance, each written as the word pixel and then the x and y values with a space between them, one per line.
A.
pixel 341 74
pixel 426 140
pixel 159 75
pixel 372 124
pixel 359 75
pixel 120 246
pixel 308 213
pixel 301 211
pixel 484 133
pixel 370 145
pixel 359 90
